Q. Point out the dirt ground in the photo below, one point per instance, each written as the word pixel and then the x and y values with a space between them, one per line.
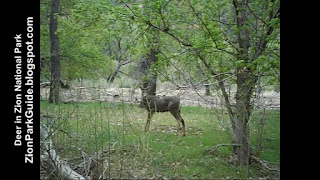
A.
pixel 189 96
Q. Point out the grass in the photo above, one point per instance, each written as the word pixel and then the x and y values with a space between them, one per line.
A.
pixel 92 127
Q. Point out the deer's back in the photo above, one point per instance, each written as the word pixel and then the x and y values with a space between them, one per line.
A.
pixel 163 103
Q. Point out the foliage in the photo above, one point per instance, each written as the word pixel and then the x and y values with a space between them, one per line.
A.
pixel 89 31
pixel 218 42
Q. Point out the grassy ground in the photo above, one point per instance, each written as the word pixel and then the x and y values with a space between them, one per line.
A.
pixel 117 128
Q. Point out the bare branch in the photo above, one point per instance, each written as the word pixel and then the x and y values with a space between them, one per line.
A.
pixel 169 33
pixel 126 62
pixel 221 86
pixel 265 164
pixel 211 150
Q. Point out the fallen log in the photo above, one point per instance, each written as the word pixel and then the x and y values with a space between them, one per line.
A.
pixel 58 167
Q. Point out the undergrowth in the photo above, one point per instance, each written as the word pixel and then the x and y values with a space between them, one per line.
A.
pixel 117 128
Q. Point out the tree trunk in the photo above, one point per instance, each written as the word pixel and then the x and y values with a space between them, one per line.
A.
pixel 55 63
pixel 114 74
pixel 241 135
pixel 149 82
pixel 119 57
pixel 245 84
pixel 207 86
pixel 240 117
pixel 206 83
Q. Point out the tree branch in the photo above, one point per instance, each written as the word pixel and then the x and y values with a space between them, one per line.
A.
pixel 166 30
pixel 211 150
pixel 221 86
pixel 264 164
pixel 264 42
pixel 208 30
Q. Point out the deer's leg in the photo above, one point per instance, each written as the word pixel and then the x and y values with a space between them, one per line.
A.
pixel 178 126
pixel 147 127
pixel 183 126
pixel 182 122
pixel 175 115
pixel 178 117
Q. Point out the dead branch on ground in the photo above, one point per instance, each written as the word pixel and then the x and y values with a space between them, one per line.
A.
pixel 255 159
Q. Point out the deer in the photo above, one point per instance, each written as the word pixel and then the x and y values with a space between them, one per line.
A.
pixel 153 104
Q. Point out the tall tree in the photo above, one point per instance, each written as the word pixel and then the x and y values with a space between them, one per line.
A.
pixel 149 80
pixel 250 48
pixel 246 33
pixel 54 53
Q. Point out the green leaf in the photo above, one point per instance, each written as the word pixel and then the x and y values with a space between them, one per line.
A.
pixel 240 63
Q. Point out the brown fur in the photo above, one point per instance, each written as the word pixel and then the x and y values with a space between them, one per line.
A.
pixel 163 104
